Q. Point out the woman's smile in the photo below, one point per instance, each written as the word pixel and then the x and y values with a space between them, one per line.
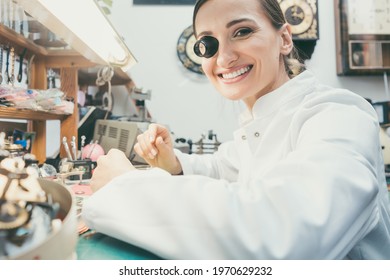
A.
pixel 249 60
pixel 236 75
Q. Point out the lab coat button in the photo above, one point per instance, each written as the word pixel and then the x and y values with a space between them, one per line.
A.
pixel 257 134
pixel 243 137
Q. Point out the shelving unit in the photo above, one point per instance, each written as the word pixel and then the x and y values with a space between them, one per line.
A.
pixel 69 63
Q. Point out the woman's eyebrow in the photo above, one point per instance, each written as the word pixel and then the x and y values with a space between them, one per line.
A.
pixel 204 33
pixel 237 21
pixel 228 25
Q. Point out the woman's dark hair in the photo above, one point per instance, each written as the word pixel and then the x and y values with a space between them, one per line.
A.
pixel 275 15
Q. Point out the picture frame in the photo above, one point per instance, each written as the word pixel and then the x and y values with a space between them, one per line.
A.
pixel 362 37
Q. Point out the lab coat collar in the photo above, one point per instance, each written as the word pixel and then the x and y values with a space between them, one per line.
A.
pixel 265 105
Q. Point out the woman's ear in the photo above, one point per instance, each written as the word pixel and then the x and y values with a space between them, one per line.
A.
pixel 286 37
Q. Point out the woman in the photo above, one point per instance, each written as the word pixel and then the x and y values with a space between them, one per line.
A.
pixel 303 178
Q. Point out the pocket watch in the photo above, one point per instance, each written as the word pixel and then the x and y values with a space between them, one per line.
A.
pixel 302 15
pixel 185 51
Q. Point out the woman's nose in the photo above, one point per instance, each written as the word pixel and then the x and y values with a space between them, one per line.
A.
pixel 226 55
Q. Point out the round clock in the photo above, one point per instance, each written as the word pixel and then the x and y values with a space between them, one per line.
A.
pixel 299 14
pixel 185 51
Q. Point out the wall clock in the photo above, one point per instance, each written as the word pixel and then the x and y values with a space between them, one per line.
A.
pixel 302 15
pixel 185 51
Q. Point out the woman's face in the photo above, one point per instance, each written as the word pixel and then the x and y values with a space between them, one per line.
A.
pixel 248 63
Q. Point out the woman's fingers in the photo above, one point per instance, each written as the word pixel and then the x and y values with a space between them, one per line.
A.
pixel 146 147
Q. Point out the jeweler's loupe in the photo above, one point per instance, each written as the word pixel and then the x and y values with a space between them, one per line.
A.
pixel 206 47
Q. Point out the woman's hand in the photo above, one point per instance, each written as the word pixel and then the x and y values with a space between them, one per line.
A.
pixel 109 166
pixel 155 146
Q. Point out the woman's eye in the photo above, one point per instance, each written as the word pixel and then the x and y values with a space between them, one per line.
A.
pixel 243 32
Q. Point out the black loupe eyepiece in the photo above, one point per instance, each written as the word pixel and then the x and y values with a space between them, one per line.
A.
pixel 206 47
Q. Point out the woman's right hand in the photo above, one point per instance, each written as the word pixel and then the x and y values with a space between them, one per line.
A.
pixel 155 146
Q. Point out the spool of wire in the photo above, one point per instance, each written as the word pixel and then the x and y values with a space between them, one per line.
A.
pixel 104 76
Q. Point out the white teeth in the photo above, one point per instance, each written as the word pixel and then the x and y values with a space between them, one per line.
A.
pixel 235 73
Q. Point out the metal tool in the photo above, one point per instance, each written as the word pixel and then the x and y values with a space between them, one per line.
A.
pixel 93 147
pixel 7 65
pixel 29 68
pixel 11 77
pixel 82 145
pixel 73 145
pixel 21 57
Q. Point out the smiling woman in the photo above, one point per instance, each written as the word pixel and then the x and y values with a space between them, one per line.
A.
pixel 302 179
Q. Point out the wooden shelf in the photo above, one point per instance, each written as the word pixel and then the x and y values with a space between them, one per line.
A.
pixel 19 41
pixel 26 114
pixel 42 56
pixel 68 62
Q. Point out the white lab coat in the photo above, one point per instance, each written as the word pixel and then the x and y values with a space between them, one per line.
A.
pixel 303 179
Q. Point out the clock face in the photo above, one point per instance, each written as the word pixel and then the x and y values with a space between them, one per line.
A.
pixel 185 51
pixel 302 16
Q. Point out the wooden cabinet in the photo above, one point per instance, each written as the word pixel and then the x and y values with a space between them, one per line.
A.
pixel 362 37
pixel 68 62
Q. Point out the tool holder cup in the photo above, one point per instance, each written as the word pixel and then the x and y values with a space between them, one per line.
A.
pixel 86 165
pixel 78 169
